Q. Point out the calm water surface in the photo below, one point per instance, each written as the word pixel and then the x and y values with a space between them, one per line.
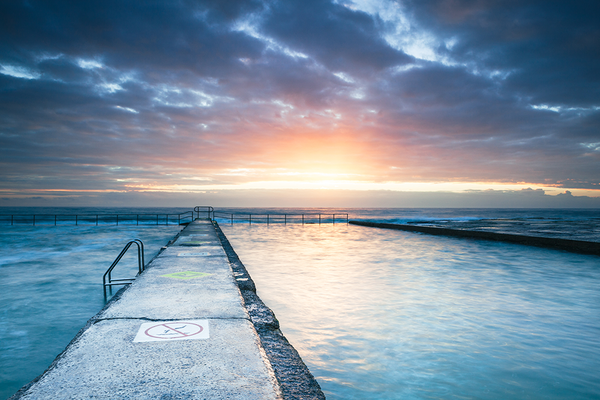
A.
pixel 376 314
pixel 380 314
pixel 51 284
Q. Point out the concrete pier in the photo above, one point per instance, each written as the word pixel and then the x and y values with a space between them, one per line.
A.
pixel 575 246
pixel 180 331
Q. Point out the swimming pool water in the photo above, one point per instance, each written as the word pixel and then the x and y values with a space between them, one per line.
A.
pixel 375 313
pixel 381 314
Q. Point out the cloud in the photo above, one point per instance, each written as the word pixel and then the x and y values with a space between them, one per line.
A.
pixel 546 52
pixel 340 38
pixel 113 94
pixel 308 198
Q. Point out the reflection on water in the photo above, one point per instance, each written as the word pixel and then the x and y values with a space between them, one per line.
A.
pixel 385 314
pixel 51 284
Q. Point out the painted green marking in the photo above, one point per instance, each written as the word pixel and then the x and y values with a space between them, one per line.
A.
pixel 186 275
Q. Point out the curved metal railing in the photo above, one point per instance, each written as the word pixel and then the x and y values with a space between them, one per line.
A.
pixel 129 281
pixel 204 209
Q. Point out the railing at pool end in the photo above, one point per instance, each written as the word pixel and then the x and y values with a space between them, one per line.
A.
pixel 209 210
pixel 171 219
pixel 97 219
pixel 303 218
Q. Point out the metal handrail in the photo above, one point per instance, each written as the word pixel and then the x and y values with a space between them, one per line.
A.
pixel 185 215
pixel 97 219
pixel 209 210
pixel 182 218
pixel 129 281
pixel 285 218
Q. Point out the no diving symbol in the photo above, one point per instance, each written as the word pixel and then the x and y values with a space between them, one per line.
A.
pixel 172 330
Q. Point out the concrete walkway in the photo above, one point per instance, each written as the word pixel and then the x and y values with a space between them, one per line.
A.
pixel 180 331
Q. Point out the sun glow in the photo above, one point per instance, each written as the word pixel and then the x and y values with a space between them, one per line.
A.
pixel 347 184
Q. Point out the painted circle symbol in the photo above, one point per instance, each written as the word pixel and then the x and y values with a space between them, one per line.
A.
pixel 173 330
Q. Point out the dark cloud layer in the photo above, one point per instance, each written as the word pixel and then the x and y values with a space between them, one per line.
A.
pixel 340 38
pixel 549 48
pixel 123 95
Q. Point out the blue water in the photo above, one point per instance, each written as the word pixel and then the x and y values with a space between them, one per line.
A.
pixel 576 224
pixel 374 313
pixel 379 314
pixel 51 284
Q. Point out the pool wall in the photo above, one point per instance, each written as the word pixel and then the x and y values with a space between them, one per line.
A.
pixel 576 246
pixel 294 377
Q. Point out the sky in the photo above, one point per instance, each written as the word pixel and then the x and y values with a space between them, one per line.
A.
pixel 365 103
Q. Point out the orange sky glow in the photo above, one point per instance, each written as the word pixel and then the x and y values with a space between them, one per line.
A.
pixel 267 100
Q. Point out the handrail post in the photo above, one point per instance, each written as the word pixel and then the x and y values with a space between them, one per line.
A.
pixel 319 219
pixel 33 219
pixel 96 219
pixel 285 219
pixel 76 221
pixel 141 260
pixel 137 219
pixel 333 219
pixel 302 219
pixel 54 219
pixel 249 219
pixel 267 219
pixel 231 219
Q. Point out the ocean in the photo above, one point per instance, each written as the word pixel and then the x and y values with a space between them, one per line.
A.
pixel 51 280
pixel 374 313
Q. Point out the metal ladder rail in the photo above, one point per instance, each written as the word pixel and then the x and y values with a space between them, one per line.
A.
pixel 141 266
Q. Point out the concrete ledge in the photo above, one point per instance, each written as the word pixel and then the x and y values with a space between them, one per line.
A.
pixel 105 363
pixel 294 378
pixel 575 246
pixel 226 362
pixel 208 296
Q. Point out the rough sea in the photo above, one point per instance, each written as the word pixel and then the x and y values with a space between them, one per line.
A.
pixel 375 314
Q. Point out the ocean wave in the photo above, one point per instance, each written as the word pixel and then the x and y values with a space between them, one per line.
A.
pixel 421 220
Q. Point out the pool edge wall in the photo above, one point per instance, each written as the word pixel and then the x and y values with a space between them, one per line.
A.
pixel 294 377
pixel 575 246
